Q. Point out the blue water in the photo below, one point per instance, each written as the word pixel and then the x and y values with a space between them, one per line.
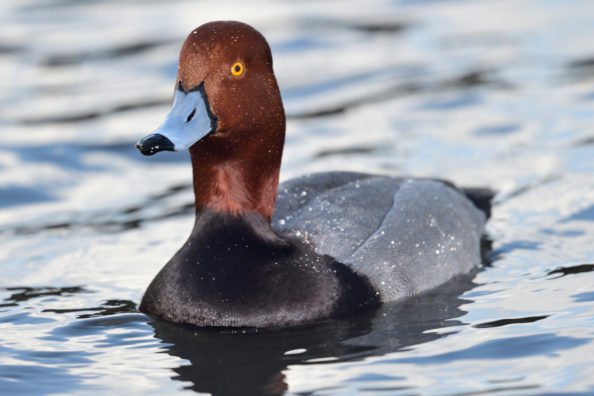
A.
pixel 484 93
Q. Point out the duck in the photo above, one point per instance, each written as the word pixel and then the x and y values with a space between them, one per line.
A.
pixel 314 248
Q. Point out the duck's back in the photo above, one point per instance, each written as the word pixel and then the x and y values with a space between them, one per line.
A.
pixel 405 235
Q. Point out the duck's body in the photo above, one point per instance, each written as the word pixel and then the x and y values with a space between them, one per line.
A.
pixel 337 243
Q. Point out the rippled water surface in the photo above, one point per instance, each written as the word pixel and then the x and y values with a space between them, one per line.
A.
pixel 484 93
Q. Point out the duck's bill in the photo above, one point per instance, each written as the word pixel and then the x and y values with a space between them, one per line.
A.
pixel 188 121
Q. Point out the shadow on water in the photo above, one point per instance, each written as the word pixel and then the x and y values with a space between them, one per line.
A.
pixel 467 81
pixel 580 69
pixel 252 362
pixel 108 54
pixel 95 114
pixel 571 270
pixel 73 156
pixel 385 25
pixel 107 308
pixel 126 218
pixel 21 294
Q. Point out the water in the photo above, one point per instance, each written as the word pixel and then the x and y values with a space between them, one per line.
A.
pixel 485 93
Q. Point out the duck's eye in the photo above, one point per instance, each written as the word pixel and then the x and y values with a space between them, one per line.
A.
pixel 237 69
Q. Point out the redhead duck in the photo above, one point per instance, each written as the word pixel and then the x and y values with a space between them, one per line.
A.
pixel 319 246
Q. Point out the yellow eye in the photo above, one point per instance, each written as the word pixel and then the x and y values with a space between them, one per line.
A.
pixel 237 69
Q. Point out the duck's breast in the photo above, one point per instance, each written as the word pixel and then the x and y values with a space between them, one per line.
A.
pixel 405 235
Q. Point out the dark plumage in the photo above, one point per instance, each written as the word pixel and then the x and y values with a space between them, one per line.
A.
pixel 235 271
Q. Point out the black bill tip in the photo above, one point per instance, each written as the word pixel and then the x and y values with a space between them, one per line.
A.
pixel 154 143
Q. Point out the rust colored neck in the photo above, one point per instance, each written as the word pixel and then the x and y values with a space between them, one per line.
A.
pixel 236 167
pixel 235 184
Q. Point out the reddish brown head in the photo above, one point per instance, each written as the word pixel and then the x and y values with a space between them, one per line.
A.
pixel 228 110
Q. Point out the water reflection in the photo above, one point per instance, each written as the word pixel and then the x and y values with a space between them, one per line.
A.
pixel 21 294
pixel 250 362
pixel 570 270
pixel 74 117
pixel 125 218
pixel 108 308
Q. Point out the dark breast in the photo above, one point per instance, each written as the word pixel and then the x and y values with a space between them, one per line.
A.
pixel 229 275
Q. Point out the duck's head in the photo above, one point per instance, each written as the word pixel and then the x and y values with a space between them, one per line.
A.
pixel 227 111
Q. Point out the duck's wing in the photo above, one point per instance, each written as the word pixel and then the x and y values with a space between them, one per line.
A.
pixel 405 235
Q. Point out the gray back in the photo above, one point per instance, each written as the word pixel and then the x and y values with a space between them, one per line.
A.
pixel 405 235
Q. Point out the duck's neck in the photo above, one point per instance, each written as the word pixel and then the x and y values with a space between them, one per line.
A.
pixel 235 185
pixel 214 229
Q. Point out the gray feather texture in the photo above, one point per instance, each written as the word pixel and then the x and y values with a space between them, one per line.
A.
pixel 405 235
